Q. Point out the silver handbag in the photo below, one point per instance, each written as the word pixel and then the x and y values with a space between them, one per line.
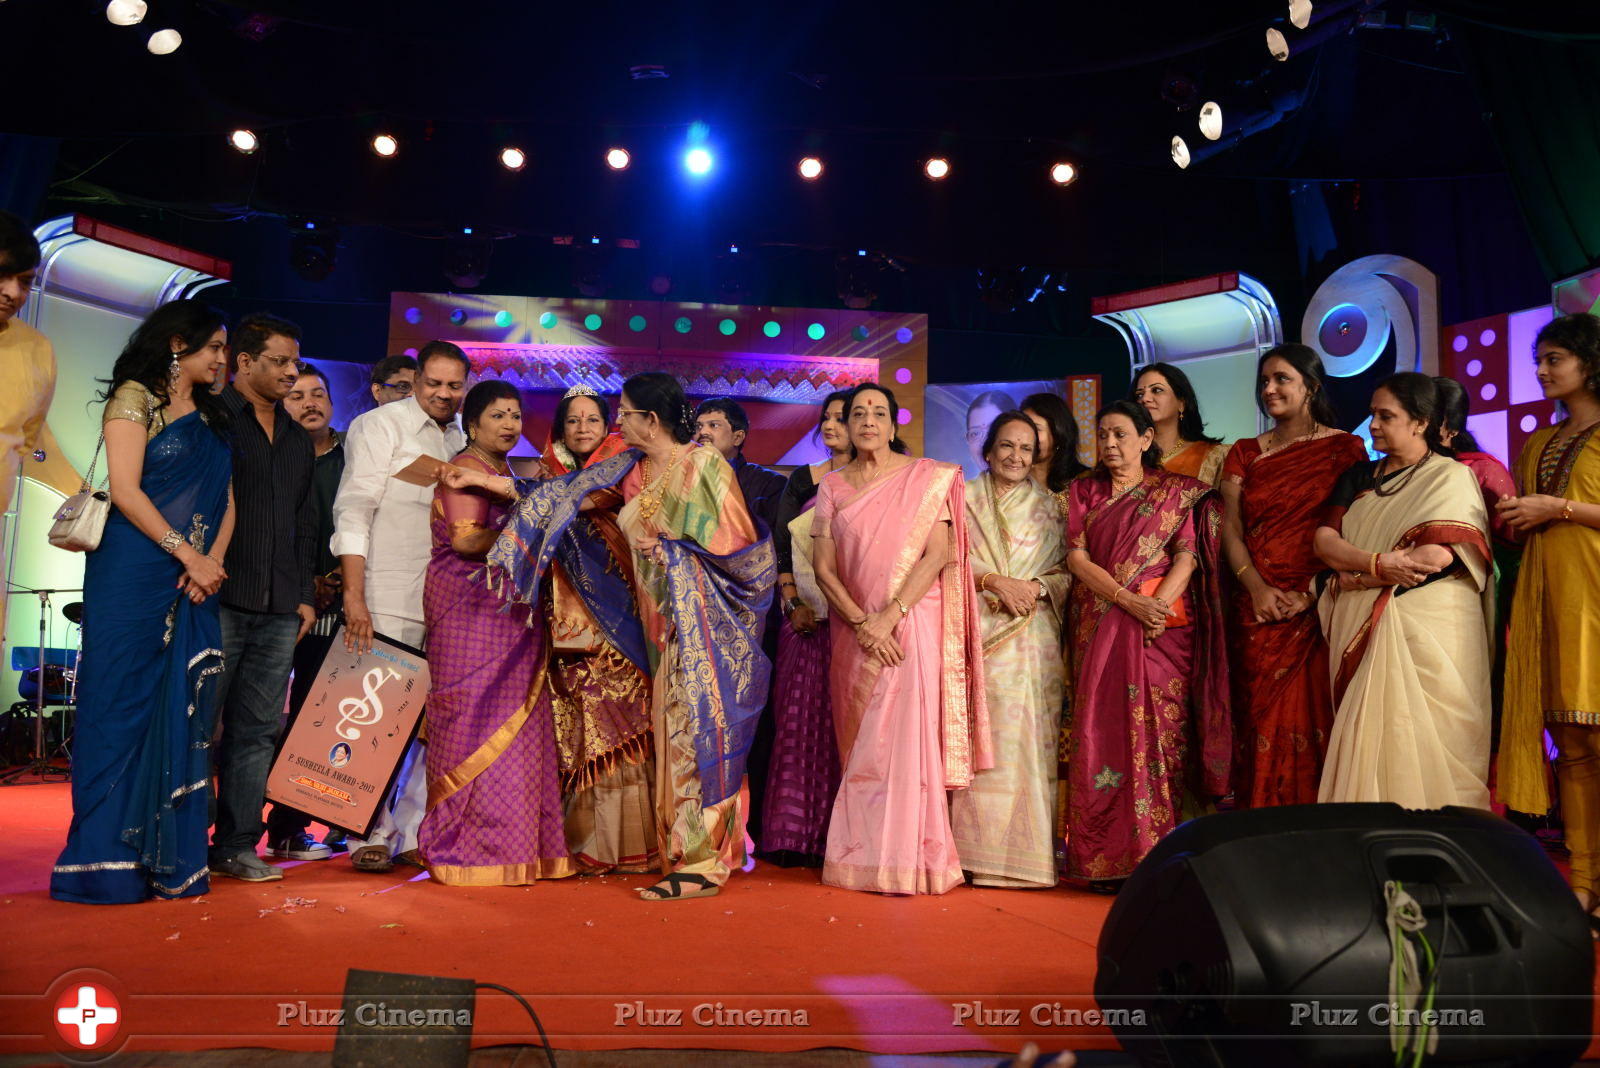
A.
pixel 81 519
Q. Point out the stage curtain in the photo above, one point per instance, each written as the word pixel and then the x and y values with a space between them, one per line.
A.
pixel 1537 75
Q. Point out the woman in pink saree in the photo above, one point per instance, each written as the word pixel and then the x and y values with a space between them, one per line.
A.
pixel 890 545
pixel 1150 710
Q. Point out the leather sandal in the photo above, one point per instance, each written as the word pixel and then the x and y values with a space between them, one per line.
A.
pixel 672 888
pixel 372 858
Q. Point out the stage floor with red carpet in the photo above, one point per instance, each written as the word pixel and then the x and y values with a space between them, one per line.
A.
pixel 776 962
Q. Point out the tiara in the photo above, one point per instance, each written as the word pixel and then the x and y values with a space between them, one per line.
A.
pixel 580 390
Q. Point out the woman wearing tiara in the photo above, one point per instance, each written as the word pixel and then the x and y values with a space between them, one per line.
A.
pixel 702 581
pixel 598 673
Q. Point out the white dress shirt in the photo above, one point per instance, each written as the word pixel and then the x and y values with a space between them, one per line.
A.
pixel 381 518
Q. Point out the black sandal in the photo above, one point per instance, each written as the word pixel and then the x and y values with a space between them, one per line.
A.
pixel 671 888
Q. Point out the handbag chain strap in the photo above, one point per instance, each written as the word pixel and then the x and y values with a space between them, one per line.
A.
pixel 88 479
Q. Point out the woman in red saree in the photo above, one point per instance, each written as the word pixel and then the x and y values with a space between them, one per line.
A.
pixel 1150 714
pixel 1274 488
pixel 600 699
pixel 890 540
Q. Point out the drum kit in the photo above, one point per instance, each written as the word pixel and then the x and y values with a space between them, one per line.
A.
pixel 59 691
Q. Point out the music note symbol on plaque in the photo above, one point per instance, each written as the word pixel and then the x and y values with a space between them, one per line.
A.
pixel 366 709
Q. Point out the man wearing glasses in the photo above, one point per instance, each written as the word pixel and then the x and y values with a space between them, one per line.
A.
pixel 393 379
pixel 267 597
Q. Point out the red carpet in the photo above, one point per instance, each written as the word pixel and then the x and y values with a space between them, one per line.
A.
pixel 251 964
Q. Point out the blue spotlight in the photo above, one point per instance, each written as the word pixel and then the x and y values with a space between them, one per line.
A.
pixel 698 161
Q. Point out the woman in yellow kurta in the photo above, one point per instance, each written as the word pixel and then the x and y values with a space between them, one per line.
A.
pixel 1553 663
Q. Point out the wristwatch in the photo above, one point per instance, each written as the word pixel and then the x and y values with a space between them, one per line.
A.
pixel 794 603
pixel 1042 594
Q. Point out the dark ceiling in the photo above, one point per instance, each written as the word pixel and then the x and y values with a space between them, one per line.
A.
pixel 1389 121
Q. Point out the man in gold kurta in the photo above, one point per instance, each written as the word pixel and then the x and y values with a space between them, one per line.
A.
pixel 27 365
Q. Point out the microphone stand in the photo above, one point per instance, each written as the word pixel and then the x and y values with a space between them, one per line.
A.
pixel 40 765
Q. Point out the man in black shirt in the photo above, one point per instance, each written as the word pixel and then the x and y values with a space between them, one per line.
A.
pixel 310 405
pixel 267 598
pixel 721 422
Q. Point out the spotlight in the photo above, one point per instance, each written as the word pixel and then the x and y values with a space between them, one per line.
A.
pixel 1300 13
pixel 698 161
pixel 1180 153
pixel 385 145
pixel 1063 173
pixel 513 159
pixel 244 141
pixel 1277 44
pixel 1211 120
pixel 164 42
pixel 618 159
pixel 811 168
pixel 125 12
pixel 936 168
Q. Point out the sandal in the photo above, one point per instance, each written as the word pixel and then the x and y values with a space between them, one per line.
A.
pixel 372 858
pixel 412 857
pixel 671 888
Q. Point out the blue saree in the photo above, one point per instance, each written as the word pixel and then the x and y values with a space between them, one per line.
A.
pixel 717 604
pixel 141 762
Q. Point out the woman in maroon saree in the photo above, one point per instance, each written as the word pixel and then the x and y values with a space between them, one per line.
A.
pixel 1274 488
pixel 1150 716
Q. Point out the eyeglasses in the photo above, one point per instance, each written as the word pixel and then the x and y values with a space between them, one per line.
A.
pixel 282 363
pixel 401 388
pixel 630 411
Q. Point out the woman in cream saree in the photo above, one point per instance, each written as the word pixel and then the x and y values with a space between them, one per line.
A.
pixel 1004 822
pixel 1409 618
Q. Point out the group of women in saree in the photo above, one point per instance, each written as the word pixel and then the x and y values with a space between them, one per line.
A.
pixel 1040 671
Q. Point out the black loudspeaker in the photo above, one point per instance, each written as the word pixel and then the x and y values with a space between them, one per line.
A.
pixel 1260 938
pixel 393 1020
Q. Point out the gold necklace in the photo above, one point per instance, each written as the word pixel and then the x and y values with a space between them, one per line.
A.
pixel 472 447
pixel 650 503
pixel 1275 441
pixel 1175 450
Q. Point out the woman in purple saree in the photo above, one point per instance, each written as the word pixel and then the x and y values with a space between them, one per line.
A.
pixel 494 792
pixel 1150 713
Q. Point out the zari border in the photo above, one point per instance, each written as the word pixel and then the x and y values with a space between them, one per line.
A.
pixel 502 874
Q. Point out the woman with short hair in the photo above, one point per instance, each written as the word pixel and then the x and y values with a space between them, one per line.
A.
pixel 1004 822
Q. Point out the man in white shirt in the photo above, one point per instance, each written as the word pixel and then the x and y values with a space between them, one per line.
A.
pixel 382 540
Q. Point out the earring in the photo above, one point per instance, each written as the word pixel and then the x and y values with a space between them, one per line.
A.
pixel 173 374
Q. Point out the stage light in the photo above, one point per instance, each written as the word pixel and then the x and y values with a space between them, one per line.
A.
pixel 466 259
pixel 513 159
pixel 385 145
pixel 1180 153
pixel 1300 13
pixel 936 168
pixel 618 159
pixel 313 250
pixel 811 168
pixel 1063 173
pixel 1277 44
pixel 244 141
pixel 126 12
pixel 164 42
pixel 698 161
pixel 1211 120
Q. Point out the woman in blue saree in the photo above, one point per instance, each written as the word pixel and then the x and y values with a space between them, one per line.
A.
pixel 141 762
pixel 702 582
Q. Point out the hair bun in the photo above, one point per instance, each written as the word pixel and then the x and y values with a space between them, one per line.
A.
pixel 686 417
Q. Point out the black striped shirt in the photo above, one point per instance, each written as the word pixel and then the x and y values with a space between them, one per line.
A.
pixel 273 551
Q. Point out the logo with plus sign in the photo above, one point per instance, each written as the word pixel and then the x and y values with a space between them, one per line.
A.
pixel 87 1015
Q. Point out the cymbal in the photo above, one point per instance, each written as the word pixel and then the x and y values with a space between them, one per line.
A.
pixel 73 612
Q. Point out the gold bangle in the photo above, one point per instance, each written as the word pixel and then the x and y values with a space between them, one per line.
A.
pixel 904 611
pixel 1239 571
pixel 1373 567
pixel 983 583
pixel 1566 513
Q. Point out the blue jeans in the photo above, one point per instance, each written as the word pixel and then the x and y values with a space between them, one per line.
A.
pixel 257 651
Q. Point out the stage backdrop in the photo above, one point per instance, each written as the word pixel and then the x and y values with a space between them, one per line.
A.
pixel 959 415
pixel 777 362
